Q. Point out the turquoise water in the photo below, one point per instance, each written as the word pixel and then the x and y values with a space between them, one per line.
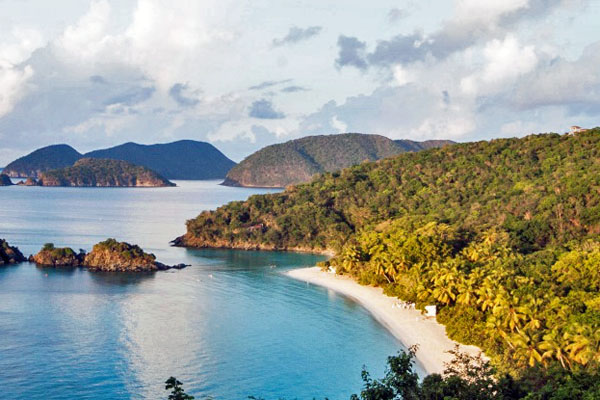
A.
pixel 229 326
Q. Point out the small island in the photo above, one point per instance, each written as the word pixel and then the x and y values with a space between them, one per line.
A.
pixel 10 254
pixel 90 172
pixel 109 255
pixel 5 180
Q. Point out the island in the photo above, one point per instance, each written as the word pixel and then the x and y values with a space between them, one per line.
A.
pixel 91 172
pixel 183 159
pixel 297 161
pixel 41 160
pixel 498 239
pixel 5 180
pixel 10 254
pixel 109 255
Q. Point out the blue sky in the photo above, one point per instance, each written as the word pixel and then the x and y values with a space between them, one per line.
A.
pixel 245 74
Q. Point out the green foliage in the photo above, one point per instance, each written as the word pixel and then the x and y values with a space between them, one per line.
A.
pixel 472 378
pixel 176 388
pixel 101 172
pixel 503 236
pixel 124 249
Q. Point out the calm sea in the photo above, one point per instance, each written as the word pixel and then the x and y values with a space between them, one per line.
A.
pixel 229 326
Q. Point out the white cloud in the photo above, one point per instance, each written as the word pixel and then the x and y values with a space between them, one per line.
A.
pixel 14 78
pixel 505 61
pixel 339 126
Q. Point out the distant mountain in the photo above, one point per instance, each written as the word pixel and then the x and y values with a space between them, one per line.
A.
pixel 184 159
pixel 299 160
pixel 89 172
pixel 42 160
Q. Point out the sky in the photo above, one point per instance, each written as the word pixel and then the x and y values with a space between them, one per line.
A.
pixel 244 74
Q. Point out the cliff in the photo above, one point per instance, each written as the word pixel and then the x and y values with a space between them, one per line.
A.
pixel 10 254
pixel 89 172
pixel 42 160
pixel 299 160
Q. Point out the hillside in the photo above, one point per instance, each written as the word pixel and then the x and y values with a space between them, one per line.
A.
pixel 42 160
pixel 299 160
pixel 503 236
pixel 105 173
pixel 184 159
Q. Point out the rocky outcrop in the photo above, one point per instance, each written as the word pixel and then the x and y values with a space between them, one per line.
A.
pixel 108 255
pixel 28 182
pixel 91 172
pixel 51 256
pixel 5 180
pixel 10 254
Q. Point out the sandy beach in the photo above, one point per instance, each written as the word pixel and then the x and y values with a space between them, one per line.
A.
pixel 407 325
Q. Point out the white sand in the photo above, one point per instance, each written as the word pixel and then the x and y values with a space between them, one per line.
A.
pixel 408 326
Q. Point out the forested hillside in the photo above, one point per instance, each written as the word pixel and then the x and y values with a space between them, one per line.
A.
pixel 298 160
pixel 504 236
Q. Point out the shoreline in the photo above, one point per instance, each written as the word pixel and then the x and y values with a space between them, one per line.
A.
pixel 408 326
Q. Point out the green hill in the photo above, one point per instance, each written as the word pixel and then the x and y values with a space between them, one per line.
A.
pixel 503 236
pixel 299 160
pixel 105 173
pixel 184 159
pixel 42 160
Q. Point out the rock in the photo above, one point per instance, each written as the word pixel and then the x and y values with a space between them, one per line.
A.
pixel 51 256
pixel 9 254
pixel 111 255
pixel 5 180
pixel 29 182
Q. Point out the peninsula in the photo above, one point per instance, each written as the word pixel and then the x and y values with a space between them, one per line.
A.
pixel 501 236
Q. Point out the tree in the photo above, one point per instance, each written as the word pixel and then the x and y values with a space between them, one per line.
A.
pixel 177 392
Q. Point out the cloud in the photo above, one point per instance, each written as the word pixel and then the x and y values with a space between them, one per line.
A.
pixel 15 75
pixel 473 22
pixel 267 84
pixel 396 14
pixel 505 61
pixel 180 93
pixel 263 109
pixel 296 34
pixel 131 96
pixel 351 53
pixel 294 89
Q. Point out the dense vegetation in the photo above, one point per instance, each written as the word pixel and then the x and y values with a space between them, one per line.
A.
pixel 472 378
pixel 99 172
pixel 504 236
pixel 42 160
pixel 298 160
pixel 184 159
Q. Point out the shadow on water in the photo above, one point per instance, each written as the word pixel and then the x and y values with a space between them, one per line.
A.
pixel 251 260
pixel 104 278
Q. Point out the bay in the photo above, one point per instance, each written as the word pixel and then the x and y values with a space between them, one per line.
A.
pixel 229 326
